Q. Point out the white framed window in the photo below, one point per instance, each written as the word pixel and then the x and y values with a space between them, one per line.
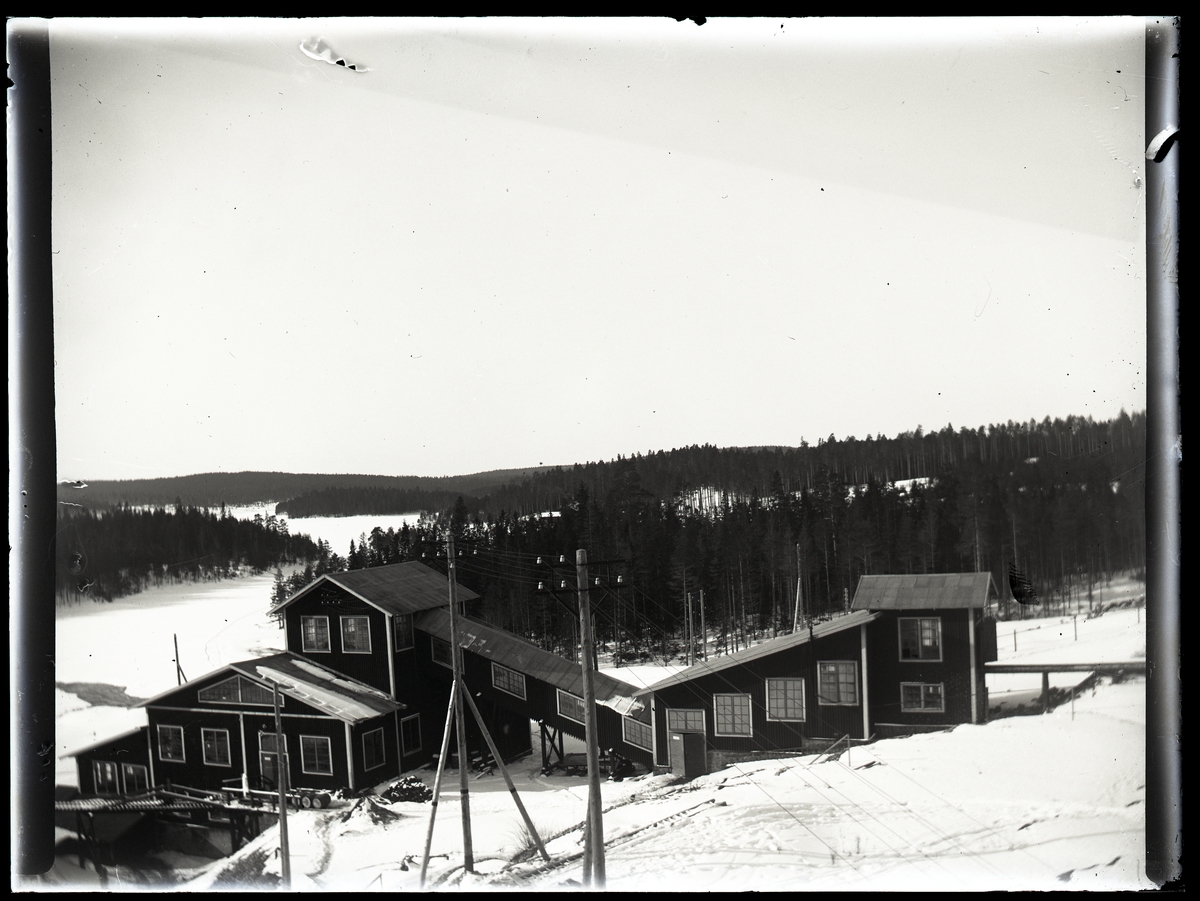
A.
pixel 922 697
pixel 238 690
pixel 316 755
pixel 683 720
pixel 785 700
pixel 137 778
pixel 315 634
pixel 356 634
pixel 170 744
pixel 731 715
pixel 104 777
pixel 920 638
pixel 637 733
pixel 837 683
pixel 410 734
pixel 404 631
pixel 373 755
pixel 571 707
pixel 215 744
pixel 508 681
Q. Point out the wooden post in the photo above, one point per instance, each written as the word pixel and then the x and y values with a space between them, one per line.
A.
pixel 460 719
pixel 437 781
pixel 281 771
pixel 1045 691
pixel 690 643
pixel 593 871
pixel 703 628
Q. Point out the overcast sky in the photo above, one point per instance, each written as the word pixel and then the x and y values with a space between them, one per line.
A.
pixel 501 243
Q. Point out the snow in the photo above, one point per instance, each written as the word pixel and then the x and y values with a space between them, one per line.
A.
pixel 1045 802
pixel 338 703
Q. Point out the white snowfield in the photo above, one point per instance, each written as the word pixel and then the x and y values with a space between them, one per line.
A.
pixel 1053 801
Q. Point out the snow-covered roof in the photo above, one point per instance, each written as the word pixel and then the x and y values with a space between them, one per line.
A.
pixel 938 591
pixel 408 587
pixel 108 741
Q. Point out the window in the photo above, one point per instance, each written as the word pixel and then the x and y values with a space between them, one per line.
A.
pixel 731 715
pixel 637 733
pixel 237 690
pixel 104 774
pixel 373 750
pixel 170 744
pixel 920 638
pixel 508 680
pixel 685 720
pixel 316 633
pixel 837 683
pixel 785 700
pixel 570 707
pixel 410 734
pixel 316 755
pixel 440 650
pixel 404 632
pixel 137 778
pixel 215 743
pixel 924 697
pixel 356 635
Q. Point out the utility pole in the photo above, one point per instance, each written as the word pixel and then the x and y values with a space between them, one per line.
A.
pixel 281 771
pixel 703 628
pixel 593 855
pixel 691 642
pixel 460 720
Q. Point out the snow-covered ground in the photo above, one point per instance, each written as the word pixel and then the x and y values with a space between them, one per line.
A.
pixel 1049 802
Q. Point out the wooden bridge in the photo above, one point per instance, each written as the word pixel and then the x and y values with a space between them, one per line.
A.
pixel 1112 668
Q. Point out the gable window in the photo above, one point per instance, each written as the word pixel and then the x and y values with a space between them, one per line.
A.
pixel 509 681
pixel 637 733
pixel 785 700
pixel 837 683
pixel 237 690
pixel 170 744
pixel 316 755
pixel 570 707
pixel 404 631
pixel 682 720
pixel 922 696
pixel 215 743
pixel 373 749
pixel 731 715
pixel 137 778
pixel 356 635
pixel 920 638
pixel 104 775
pixel 315 631
pixel 410 734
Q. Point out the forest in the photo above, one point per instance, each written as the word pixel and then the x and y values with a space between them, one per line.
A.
pixel 769 535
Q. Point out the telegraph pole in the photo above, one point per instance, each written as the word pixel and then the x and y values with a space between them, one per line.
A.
pixel 703 627
pixel 460 720
pixel 593 857
pixel 691 642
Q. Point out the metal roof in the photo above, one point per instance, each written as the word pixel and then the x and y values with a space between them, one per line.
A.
pixel 940 591
pixel 408 587
pixel 310 683
pixel 766 649
pixel 516 653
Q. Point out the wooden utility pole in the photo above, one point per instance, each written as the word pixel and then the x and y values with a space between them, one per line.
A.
pixel 703 628
pixel 281 772
pixel 460 720
pixel 437 781
pixel 691 643
pixel 593 854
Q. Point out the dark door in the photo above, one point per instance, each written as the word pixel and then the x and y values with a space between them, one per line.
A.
pixel 688 758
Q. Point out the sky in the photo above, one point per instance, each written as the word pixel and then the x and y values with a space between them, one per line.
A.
pixel 500 243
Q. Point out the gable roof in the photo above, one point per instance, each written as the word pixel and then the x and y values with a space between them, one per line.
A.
pixel 398 588
pixel 516 653
pixel 940 591
pixel 307 682
pixel 112 739
pixel 765 649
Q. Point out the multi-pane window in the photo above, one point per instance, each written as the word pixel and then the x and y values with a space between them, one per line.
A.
pixel 508 680
pixel 356 635
pixel 785 700
pixel 215 743
pixel 927 697
pixel 404 631
pixel 731 715
pixel 837 682
pixel 315 633
pixel 682 720
pixel 316 755
pixel 170 744
pixel 237 690
pixel 920 638
pixel 637 733
pixel 373 749
pixel 410 734
pixel 440 651
pixel 105 775
pixel 137 778
pixel 570 706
